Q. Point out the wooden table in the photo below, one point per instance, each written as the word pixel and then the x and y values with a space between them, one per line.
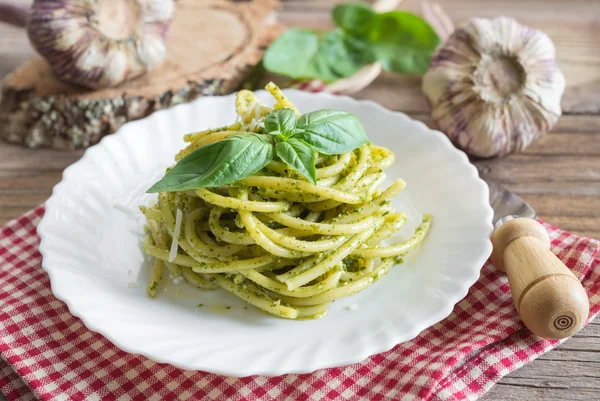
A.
pixel 559 175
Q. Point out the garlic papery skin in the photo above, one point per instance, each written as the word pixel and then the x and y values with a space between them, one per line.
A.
pixel 494 86
pixel 100 43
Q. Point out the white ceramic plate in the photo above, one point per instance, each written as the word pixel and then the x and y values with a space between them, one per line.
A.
pixel 92 230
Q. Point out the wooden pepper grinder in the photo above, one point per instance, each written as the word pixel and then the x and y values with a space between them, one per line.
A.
pixel 550 299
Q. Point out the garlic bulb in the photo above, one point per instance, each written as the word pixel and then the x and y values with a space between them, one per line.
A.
pixel 100 43
pixel 494 86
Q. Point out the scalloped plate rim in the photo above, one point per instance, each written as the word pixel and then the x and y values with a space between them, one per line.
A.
pixel 367 351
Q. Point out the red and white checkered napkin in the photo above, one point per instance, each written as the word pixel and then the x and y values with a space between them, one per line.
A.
pixel 46 353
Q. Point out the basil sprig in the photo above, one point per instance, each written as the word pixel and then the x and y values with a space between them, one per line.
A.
pixel 293 141
pixel 402 42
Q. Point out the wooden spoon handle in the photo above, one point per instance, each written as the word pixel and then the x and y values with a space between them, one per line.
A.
pixel 550 299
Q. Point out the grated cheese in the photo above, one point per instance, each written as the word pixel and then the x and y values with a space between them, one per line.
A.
pixel 176 232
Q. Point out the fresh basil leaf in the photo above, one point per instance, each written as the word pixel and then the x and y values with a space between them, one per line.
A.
pixel 218 163
pixel 297 131
pixel 302 54
pixel 300 156
pixel 355 18
pixel 346 53
pixel 331 132
pixel 296 54
pixel 403 42
pixel 402 60
pixel 281 122
pixel 401 26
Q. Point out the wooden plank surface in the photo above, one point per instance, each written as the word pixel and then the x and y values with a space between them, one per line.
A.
pixel 559 174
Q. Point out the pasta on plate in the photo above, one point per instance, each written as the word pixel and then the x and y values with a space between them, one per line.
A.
pixel 278 209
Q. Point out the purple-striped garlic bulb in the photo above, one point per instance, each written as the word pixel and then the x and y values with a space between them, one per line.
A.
pixel 100 43
pixel 494 86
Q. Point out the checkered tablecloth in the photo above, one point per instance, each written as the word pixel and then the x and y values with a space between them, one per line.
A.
pixel 47 353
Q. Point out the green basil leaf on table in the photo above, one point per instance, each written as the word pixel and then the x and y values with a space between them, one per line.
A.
pixel 331 132
pixel 296 54
pixel 218 163
pixel 403 42
pixel 300 156
pixel 281 122
pixel 347 53
pixel 355 18
pixel 301 54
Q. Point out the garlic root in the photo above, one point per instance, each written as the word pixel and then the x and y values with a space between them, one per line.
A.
pixel 494 86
